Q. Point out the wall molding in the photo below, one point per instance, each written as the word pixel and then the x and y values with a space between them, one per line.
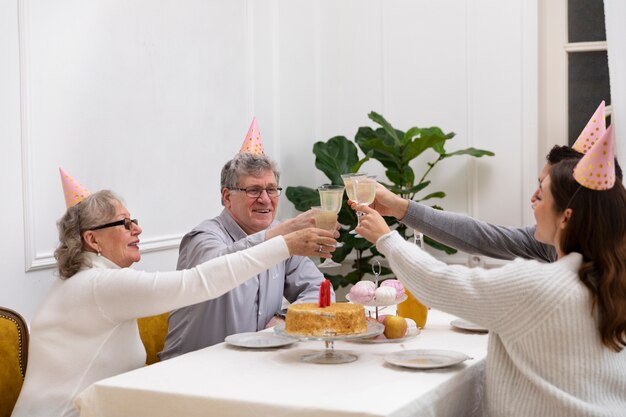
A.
pixel 47 261
pixel 34 260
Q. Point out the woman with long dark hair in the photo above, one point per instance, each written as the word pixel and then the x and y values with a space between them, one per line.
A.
pixel 557 331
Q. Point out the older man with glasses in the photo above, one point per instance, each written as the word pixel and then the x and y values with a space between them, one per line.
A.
pixel 250 192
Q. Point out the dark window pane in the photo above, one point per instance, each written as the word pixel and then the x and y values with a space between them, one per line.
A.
pixel 588 86
pixel 586 20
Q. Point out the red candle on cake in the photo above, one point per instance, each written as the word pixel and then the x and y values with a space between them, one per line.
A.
pixel 324 298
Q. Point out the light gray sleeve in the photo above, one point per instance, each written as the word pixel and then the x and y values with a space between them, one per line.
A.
pixel 201 245
pixel 477 237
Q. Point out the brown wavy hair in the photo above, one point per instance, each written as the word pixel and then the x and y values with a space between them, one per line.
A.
pixel 94 210
pixel 597 230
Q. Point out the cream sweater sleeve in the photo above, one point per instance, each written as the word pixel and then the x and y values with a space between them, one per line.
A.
pixel 510 299
pixel 123 294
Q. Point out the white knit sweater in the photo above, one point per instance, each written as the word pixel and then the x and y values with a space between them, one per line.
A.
pixel 545 356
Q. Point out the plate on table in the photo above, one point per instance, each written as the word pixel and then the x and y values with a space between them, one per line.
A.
pixel 468 326
pixel 375 303
pixel 258 340
pixel 426 358
pixel 382 339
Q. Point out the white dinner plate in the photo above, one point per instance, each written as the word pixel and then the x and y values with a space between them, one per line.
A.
pixel 375 303
pixel 258 340
pixel 468 326
pixel 426 358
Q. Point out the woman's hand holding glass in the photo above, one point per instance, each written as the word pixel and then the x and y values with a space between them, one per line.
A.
pixel 348 180
pixel 371 225
pixel 364 192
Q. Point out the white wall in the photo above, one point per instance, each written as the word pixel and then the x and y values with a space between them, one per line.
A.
pixel 150 98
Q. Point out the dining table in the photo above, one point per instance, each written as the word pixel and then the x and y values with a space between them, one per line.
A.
pixel 228 380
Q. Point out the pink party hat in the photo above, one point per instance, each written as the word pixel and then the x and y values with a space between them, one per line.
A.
pixel 595 129
pixel 596 169
pixel 252 142
pixel 73 190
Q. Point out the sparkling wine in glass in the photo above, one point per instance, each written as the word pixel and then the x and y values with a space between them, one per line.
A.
pixel 348 181
pixel 364 192
pixel 327 220
pixel 331 198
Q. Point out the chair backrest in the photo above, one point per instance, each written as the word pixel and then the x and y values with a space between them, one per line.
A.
pixel 153 331
pixel 13 357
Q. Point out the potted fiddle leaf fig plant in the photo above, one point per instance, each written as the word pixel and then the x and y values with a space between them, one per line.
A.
pixel 395 150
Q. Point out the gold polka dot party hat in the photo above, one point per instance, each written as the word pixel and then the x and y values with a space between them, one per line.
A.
pixel 252 143
pixel 593 131
pixel 73 190
pixel 596 169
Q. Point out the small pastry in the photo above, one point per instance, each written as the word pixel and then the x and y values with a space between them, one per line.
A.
pixel 385 295
pixel 394 283
pixel 361 293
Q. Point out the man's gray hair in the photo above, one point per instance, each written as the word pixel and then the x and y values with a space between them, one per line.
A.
pixel 243 165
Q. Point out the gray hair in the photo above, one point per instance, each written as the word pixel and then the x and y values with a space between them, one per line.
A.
pixel 93 211
pixel 243 165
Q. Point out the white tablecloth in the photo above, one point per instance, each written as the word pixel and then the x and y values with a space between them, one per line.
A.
pixel 228 381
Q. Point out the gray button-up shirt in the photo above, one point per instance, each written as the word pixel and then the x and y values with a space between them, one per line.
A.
pixel 247 308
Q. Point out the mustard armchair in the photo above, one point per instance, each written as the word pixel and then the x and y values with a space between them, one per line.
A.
pixel 13 356
pixel 153 331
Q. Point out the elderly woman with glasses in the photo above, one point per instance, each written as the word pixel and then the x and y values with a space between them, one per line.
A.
pixel 86 328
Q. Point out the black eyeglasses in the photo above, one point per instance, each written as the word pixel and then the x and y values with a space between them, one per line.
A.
pixel 255 192
pixel 127 223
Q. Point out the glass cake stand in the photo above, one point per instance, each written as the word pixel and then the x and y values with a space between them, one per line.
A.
pixel 329 355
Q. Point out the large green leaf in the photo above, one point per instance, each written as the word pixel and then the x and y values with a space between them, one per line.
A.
pixel 390 130
pixel 335 157
pixel 373 143
pixel 437 194
pixel 428 138
pixel 477 153
pixel 404 177
pixel 303 198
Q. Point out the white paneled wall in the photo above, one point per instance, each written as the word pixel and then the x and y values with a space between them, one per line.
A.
pixel 150 98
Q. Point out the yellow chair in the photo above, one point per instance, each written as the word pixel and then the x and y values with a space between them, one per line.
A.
pixel 13 356
pixel 153 331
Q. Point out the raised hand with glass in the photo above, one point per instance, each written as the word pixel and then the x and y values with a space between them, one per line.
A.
pixel 364 192
pixel 331 198
pixel 348 181
pixel 327 220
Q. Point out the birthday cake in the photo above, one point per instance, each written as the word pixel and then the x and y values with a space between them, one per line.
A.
pixel 308 319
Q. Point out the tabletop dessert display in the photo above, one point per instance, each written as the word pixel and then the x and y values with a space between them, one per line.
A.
pixel 390 292
pixel 328 322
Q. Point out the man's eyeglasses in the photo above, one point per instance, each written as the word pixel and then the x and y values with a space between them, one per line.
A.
pixel 127 223
pixel 255 192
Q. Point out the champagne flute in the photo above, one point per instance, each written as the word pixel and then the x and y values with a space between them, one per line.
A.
pixel 327 220
pixel 364 192
pixel 331 198
pixel 348 180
